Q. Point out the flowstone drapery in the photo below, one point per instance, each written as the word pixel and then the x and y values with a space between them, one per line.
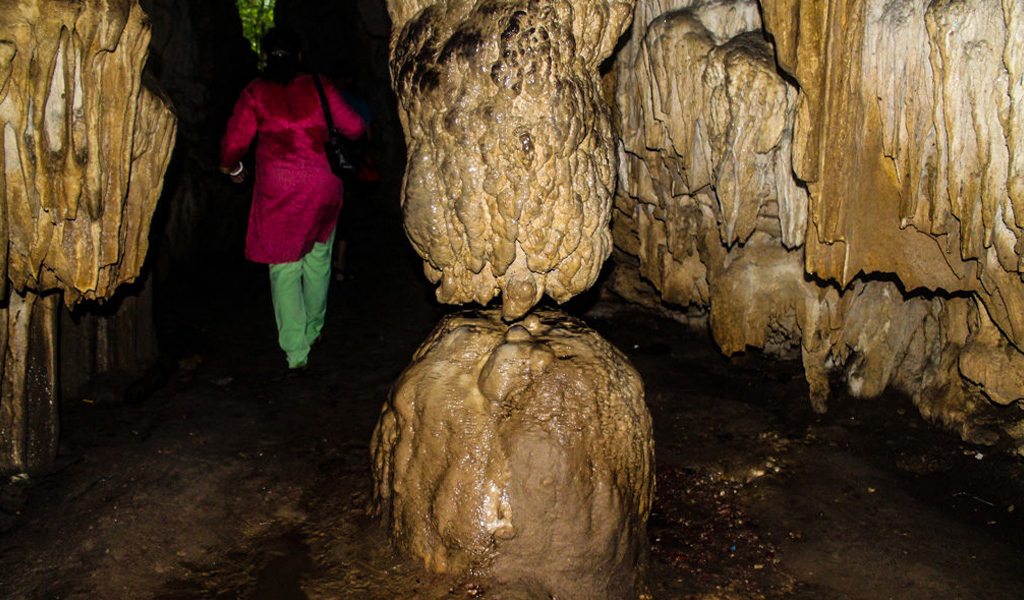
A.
pixel 85 143
pixel 845 189
pixel 518 444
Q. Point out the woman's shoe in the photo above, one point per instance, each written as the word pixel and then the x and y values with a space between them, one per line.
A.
pixel 297 370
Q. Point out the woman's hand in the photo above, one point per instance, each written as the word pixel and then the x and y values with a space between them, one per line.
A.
pixel 237 174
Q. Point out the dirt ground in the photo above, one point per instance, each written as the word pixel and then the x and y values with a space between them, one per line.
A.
pixel 235 481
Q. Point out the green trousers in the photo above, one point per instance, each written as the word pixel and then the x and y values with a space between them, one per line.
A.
pixel 299 290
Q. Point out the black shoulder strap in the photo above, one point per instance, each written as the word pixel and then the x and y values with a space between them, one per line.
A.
pixel 323 101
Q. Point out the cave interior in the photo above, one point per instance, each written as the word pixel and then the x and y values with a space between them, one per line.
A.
pixel 816 272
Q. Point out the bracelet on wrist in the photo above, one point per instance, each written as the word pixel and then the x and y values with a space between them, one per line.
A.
pixel 237 170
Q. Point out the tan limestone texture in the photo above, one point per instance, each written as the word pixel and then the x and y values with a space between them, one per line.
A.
pixel 84 145
pixel 511 155
pixel 844 190
pixel 707 200
pixel 523 452
pixel 926 99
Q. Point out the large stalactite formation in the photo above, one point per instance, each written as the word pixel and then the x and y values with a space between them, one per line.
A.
pixel 85 143
pixel 200 59
pixel 508 143
pixel 845 188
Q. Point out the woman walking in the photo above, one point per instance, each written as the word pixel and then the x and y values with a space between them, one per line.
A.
pixel 296 197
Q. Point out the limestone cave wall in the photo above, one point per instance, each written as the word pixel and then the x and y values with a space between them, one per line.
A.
pixel 838 182
pixel 86 139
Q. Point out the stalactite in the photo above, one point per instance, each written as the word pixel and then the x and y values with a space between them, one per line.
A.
pixel 510 148
pixel 85 144
pixel 925 99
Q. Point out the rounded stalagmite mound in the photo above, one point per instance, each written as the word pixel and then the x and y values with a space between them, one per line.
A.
pixel 521 451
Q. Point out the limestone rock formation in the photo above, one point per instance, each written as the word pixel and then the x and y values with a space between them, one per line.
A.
pixel 925 98
pixel 521 451
pixel 84 147
pixel 704 118
pixel 29 418
pixel 706 199
pixel 511 155
pixel 848 192
pixel 85 144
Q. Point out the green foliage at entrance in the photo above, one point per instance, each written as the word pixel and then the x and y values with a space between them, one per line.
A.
pixel 257 18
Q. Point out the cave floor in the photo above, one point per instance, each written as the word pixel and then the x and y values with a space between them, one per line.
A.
pixel 234 481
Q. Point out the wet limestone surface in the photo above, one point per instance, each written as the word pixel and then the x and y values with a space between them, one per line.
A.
pixel 86 142
pixel 511 155
pixel 523 452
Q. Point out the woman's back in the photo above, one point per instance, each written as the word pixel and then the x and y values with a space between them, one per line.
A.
pixel 290 122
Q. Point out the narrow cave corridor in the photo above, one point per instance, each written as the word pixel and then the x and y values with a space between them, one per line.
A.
pixel 191 464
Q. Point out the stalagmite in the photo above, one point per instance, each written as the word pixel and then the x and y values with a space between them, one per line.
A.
pixel 517 446
pixel 84 147
pixel 523 451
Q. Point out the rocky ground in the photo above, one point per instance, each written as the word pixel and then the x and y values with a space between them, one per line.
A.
pixel 236 481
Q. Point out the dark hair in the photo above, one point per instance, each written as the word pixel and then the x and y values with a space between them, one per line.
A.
pixel 281 47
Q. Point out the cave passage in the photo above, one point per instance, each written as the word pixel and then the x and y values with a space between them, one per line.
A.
pixel 219 475
pixel 235 481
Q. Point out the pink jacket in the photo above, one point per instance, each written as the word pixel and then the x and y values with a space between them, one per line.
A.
pixel 296 198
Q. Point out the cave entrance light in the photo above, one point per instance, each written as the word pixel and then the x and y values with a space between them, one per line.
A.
pixel 257 17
